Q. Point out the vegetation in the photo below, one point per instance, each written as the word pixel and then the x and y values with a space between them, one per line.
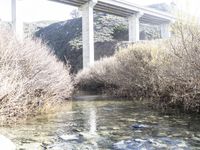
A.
pixel 75 14
pixel 32 80
pixel 167 72
pixel 128 73
pixel 179 73
pixel 65 38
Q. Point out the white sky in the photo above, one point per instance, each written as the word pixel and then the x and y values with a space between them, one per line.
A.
pixel 36 10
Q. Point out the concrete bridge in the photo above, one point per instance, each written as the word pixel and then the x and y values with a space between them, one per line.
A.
pixel 134 13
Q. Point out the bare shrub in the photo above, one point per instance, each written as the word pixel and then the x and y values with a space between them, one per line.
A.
pixel 129 73
pixel 179 74
pixel 30 78
pixel 98 78
pixel 168 72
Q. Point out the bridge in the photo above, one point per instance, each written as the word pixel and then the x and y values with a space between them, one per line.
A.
pixel 136 14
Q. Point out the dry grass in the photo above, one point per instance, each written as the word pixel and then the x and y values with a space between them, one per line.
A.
pixel 30 78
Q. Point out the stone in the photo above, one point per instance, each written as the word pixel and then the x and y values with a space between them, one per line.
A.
pixel 196 139
pixel 120 145
pixel 135 144
pixel 138 131
pixel 105 133
pixel 177 135
pixel 131 120
pixel 140 126
pixel 76 130
pixel 150 144
pixel 116 128
pixel 59 146
pixel 161 134
pixel 87 135
pixel 198 135
pixel 103 128
pixel 73 137
pixel 6 144
pixel 173 143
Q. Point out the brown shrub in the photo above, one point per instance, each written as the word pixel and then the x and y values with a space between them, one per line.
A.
pixel 98 78
pixel 129 73
pixel 30 78
pixel 167 72
pixel 179 74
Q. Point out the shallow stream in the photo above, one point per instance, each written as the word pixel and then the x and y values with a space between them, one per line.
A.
pixel 104 125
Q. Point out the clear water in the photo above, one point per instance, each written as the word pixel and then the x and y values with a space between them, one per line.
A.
pixel 99 125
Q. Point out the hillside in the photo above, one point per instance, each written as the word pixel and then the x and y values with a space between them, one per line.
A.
pixel 65 37
pixel 162 7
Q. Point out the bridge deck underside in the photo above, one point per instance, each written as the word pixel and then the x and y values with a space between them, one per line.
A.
pixel 102 6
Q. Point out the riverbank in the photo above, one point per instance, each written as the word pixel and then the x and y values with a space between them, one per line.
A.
pixel 164 72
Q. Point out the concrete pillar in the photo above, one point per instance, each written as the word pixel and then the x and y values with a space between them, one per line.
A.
pixel 134 27
pixel 88 33
pixel 165 30
pixel 17 19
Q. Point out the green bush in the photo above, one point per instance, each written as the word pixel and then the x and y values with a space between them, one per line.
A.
pixel 32 80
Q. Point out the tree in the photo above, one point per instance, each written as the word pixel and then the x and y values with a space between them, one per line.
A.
pixel 75 14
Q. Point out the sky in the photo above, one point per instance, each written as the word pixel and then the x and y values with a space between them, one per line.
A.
pixel 37 10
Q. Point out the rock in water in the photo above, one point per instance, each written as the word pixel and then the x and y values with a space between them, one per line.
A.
pixel 136 144
pixel 140 126
pixel 151 144
pixel 6 144
pixel 75 137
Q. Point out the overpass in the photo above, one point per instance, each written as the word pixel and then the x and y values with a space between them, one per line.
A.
pixel 133 12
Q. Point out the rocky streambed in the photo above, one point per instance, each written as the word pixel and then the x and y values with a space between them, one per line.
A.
pixel 105 125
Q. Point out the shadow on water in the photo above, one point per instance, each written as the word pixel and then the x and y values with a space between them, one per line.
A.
pixel 106 124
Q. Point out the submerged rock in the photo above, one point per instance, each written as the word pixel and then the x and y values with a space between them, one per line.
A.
pixel 140 126
pixel 59 146
pixel 151 144
pixel 74 137
pixel 135 144
pixel 6 144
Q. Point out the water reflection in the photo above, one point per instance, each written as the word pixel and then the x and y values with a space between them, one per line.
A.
pixel 93 121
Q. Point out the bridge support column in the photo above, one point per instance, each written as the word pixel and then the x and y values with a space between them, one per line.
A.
pixel 165 30
pixel 88 33
pixel 134 27
pixel 17 22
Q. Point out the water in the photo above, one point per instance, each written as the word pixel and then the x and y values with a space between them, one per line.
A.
pixel 99 125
